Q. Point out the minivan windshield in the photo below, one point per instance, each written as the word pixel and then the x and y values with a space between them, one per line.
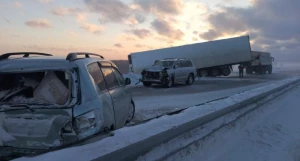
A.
pixel 163 63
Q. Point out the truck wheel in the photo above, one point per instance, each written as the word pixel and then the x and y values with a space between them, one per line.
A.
pixel 270 70
pixel 190 79
pixel 226 71
pixel 264 71
pixel 147 84
pixel 215 72
pixel 203 73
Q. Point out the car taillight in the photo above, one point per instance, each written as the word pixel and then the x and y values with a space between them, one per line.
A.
pixel 85 121
pixel 67 128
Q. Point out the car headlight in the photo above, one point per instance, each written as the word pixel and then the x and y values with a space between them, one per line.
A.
pixel 85 121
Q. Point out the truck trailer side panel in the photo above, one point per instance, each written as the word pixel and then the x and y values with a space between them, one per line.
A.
pixel 204 55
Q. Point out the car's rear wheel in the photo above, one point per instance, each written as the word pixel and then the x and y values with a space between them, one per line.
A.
pixel 131 112
pixel 147 84
pixel 190 79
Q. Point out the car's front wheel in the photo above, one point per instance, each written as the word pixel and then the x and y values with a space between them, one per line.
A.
pixel 131 112
pixel 169 83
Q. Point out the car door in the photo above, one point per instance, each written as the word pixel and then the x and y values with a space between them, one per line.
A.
pixel 191 68
pixel 185 69
pixel 178 71
pixel 118 95
pixel 126 98
pixel 107 104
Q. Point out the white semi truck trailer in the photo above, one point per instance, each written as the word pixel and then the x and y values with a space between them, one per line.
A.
pixel 213 58
pixel 261 63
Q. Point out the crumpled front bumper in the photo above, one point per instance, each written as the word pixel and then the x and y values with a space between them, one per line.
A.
pixel 161 80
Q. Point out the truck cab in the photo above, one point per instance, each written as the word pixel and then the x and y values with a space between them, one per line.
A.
pixel 261 63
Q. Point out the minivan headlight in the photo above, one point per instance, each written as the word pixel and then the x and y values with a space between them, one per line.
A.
pixel 85 121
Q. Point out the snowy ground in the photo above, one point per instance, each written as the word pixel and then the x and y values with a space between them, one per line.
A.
pixel 154 106
pixel 155 101
pixel 272 133
pixel 134 79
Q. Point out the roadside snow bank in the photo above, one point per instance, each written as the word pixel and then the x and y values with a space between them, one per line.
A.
pixel 149 132
pixel 135 78
pixel 271 132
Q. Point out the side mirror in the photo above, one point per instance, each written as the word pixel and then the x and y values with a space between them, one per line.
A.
pixel 127 81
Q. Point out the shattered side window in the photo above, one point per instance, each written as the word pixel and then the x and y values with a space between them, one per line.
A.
pixel 97 75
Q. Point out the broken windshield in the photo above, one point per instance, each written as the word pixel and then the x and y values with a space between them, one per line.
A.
pixel 38 88
pixel 165 64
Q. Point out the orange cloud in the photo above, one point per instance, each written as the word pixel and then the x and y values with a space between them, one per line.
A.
pixel 62 11
pixel 45 1
pixel 140 33
pixel 92 28
pixel 38 23
pixel 18 5
pixel 73 34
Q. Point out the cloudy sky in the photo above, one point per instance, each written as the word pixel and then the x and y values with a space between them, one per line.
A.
pixel 116 28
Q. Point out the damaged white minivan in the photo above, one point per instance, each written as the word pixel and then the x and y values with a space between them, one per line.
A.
pixel 47 102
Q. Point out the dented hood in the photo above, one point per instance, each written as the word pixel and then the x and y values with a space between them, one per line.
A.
pixel 35 128
pixel 155 69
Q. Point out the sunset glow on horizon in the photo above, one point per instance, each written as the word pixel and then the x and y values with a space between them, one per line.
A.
pixel 116 28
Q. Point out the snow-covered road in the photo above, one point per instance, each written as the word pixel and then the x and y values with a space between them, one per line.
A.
pixel 271 133
pixel 154 106
pixel 156 101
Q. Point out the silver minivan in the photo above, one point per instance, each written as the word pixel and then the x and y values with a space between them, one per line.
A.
pixel 47 102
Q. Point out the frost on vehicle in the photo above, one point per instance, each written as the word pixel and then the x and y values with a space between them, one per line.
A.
pixel 31 108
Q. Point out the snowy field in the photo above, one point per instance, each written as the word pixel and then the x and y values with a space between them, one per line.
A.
pixel 271 133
